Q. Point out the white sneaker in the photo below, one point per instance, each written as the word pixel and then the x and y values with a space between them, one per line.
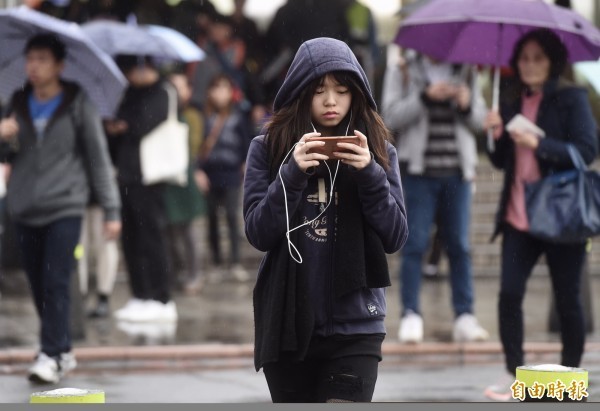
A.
pixel 133 305
pixel 165 312
pixel 467 329
pixel 67 362
pixel 501 389
pixel 44 370
pixel 151 311
pixel 411 328
pixel 49 370
pixel 149 333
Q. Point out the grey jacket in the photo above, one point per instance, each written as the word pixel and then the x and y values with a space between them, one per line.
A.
pixel 405 113
pixel 51 179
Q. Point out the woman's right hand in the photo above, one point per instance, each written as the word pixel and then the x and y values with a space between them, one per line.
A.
pixel 303 158
pixel 494 122
pixel 8 128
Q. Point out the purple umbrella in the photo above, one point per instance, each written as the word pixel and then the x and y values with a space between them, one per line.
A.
pixel 485 31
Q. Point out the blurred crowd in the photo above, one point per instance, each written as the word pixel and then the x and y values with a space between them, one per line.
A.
pixel 225 99
pixel 255 59
pixel 436 110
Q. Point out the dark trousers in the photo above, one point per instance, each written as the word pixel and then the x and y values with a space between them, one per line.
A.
pixel 48 259
pixel 347 378
pixel 331 372
pixel 182 250
pixel 520 252
pixel 228 198
pixel 143 242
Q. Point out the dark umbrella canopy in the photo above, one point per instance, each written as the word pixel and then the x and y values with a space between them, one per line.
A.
pixel 85 63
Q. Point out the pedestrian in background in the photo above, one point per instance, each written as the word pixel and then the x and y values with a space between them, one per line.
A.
pixel 184 204
pixel 319 301
pixel 433 107
pixel 563 112
pixel 104 252
pixel 225 54
pixel 221 171
pixel 294 22
pixel 362 33
pixel 57 151
pixel 144 106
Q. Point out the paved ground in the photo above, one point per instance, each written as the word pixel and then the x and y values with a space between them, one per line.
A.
pixel 206 357
pixel 223 313
pixel 241 384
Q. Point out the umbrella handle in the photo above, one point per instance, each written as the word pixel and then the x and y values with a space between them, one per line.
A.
pixel 495 105
pixel 491 145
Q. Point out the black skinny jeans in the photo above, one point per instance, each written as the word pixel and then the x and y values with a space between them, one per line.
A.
pixel 520 252
pixel 332 371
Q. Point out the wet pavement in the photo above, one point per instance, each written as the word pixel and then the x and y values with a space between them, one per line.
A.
pixel 219 319
pixel 222 312
pixel 396 383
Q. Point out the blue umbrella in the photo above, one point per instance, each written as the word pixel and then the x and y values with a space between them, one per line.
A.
pixel 156 41
pixel 85 63
pixel 185 48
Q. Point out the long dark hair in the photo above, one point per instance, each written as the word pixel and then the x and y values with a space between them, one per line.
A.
pixel 290 122
pixel 552 47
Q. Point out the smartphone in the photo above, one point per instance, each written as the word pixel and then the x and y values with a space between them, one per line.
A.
pixel 331 144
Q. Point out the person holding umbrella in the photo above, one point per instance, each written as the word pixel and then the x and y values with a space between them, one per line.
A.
pixel 562 111
pixel 57 148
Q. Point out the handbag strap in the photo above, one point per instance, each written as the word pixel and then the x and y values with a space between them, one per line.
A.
pixel 172 96
pixel 576 157
pixel 213 135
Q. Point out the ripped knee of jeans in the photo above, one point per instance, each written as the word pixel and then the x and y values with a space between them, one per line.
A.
pixel 344 387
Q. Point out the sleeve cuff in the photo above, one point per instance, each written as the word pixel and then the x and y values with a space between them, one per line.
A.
pixel 293 175
pixel 113 214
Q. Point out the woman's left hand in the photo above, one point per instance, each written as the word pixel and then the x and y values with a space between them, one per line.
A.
pixel 356 155
pixel 525 139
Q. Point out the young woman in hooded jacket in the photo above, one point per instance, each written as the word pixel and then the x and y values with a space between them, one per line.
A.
pixel 325 223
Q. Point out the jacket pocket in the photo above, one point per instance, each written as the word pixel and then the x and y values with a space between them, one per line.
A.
pixel 360 305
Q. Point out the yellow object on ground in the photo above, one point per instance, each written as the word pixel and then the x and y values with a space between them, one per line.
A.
pixel 68 396
pixel 550 382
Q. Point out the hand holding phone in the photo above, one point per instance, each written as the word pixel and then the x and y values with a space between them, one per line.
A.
pixel 331 144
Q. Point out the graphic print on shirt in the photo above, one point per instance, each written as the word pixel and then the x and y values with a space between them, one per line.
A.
pixel 317 230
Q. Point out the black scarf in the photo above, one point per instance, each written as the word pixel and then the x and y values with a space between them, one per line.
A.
pixel 283 315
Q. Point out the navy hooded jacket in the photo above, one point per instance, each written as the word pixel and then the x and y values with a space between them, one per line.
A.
pixel 361 308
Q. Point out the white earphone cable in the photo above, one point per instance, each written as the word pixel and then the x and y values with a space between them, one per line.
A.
pixel 292 249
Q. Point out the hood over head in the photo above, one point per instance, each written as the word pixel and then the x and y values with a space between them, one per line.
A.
pixel 314 59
